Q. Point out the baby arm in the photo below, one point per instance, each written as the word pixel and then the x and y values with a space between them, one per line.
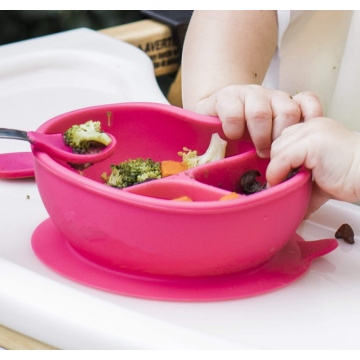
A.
pixel 225 59
pixel 326 147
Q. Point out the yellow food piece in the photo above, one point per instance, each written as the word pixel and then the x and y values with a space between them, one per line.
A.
pixel 230 196
pixel 170 167
pixel 104 176
pixel 183 198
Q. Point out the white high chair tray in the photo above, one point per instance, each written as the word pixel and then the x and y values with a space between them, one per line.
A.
pixel 44 77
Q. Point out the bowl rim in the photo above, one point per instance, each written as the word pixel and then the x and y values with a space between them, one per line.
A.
pixel 109 192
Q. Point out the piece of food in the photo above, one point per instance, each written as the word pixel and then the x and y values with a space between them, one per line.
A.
pixel 292 173
pixel 80 167
pixel 346 233
pixel 215 151
pixel 183 198
pixel 169 168
pixel 86 138
pixel 248 184
pixel 133 172
pixel 230 196
pixel 104 176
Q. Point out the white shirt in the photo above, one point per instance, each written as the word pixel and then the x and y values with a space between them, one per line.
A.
pixel 319 51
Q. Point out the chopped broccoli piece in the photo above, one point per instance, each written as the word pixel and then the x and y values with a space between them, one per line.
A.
pixel 215 151
pixel 82 138
pixel 133 172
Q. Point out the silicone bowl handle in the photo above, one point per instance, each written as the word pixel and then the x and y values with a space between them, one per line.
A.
pixel 311 250
pixel 16 165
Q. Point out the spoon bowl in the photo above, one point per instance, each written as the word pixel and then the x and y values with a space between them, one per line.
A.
pixel 53 145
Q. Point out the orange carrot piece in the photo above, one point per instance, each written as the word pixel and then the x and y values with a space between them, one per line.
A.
pixel 183 198
pixel 170 167
pixel 230 196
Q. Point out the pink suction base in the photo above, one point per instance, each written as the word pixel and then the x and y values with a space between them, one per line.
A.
pixel 289 264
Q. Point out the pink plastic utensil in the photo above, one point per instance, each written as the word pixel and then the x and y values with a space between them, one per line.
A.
pixel 53 144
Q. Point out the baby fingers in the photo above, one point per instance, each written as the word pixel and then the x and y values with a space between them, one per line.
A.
pixel 309 104
pixel 286 112
pixel 228 105
pixel 286 154
pixel 258 115
pixel 231 112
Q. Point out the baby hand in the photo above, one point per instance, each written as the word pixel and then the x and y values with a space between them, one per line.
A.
pixel 326 147
pixel 265 113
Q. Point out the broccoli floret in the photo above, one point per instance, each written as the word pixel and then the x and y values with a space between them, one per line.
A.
pixel 133 172
pixel 82 138
pixel 215 151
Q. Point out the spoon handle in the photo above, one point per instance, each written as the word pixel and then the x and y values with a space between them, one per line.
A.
pixel 13 134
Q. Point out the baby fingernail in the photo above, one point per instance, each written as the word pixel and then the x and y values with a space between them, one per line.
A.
pixel 264 153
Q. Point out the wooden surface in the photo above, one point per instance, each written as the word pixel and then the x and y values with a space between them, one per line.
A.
pixel 152 37
pixel 156 40
pixel 13 340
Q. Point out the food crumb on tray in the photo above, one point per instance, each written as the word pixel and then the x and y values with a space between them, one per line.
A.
pixel 346 233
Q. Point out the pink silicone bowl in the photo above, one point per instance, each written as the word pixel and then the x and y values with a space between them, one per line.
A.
pixel 139 229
